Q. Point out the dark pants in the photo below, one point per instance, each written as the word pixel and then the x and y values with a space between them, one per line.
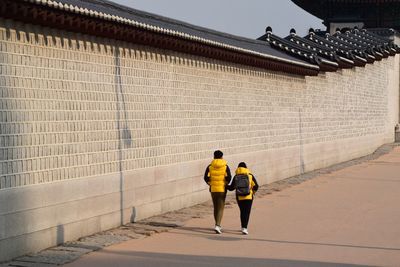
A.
pixel 218 199
pixel 245 208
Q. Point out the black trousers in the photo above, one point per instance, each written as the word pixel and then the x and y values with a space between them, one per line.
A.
pixel 245 208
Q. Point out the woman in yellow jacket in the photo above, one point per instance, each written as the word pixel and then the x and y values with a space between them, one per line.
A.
pixel 244 202
pixel 217 176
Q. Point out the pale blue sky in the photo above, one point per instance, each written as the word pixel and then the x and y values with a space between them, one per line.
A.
pixel 244 18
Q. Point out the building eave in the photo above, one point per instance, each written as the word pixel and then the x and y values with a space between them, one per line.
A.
pixel 76 19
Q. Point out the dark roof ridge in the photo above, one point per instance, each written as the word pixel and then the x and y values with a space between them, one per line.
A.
pixel 304 52
pixel 116 21
pixel 310 43
pixel 109 11
pixel 149 15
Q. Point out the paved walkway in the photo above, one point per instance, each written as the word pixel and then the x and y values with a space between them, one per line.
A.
pixel 349 217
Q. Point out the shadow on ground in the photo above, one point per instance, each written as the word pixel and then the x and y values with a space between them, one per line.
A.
pixel 209 234
pixel 168 260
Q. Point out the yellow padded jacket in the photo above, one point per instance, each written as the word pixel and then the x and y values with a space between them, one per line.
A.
pixel 217 174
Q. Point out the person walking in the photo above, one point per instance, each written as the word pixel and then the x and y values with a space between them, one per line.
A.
pixel 218 176
pixel 246 186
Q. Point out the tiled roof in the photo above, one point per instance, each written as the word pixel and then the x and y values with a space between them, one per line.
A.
pixel 305 52
pixel 349 49
pixel 346 49
pixel 358 44
pixel 340 50
pixel 121 14
pixel 387 33
pixel 322 50
pixel 306 56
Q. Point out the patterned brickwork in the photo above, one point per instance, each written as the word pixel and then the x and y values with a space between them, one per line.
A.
pixel 347 104
pixel 77 106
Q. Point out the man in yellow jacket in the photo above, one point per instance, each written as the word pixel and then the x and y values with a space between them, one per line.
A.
pixel 218 176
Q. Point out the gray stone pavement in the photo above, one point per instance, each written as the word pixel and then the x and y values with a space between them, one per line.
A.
pixel 346 216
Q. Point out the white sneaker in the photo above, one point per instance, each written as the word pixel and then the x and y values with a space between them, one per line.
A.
pixel 218 229
pixel 244 231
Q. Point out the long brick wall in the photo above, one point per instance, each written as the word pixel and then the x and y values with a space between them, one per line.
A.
pixel 95 132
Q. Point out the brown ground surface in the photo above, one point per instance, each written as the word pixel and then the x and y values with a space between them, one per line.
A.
pixel 343 217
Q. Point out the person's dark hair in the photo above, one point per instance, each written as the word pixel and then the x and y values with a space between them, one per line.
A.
pixel 218 154
pixel 242 165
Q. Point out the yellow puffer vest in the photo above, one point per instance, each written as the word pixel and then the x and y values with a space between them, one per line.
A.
pixel 217 173
pixel 242 170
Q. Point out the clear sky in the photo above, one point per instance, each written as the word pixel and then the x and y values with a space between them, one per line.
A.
pixel 244 18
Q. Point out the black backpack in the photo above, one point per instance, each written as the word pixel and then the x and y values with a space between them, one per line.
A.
pixel 242 183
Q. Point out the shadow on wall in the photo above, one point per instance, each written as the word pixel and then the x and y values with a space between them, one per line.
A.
pixel 133 215
pixel 4 129
pixel 7 116
pixel 302 167
pixel 124 133
pixel 60 234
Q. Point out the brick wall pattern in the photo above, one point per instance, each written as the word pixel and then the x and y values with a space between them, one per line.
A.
pixel 76 106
